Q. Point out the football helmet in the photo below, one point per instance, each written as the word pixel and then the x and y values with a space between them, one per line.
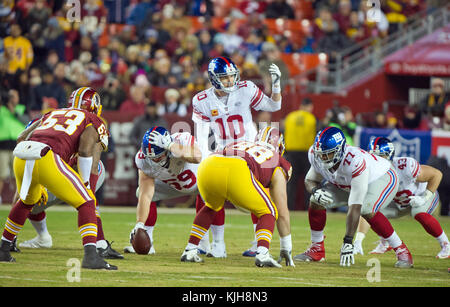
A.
pixel 85 98
pixel 382 146
pixel 221 67
pixel 329 146
pixel 273 137
pixel 149 150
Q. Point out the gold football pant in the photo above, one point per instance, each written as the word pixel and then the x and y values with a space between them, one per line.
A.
pixel 229 178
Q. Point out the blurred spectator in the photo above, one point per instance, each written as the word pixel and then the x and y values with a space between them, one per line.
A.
pixel 54 38
pixel 201 8
pixel 205 46
pixel 161 74
pixel 412 119
pixel 271 54
pixel 116 10
pixel 93 19
pixel 140 12
pixel 136 103
pixel 434 103
pixel 345 121
pixel 12 123
pixel 379 120
pixel 279 9
pixel 151 31
pixel 149 119
pixel 392 122
pixel 174 18
pixel 172 104
pixel 357 30
pixel 230 39
pixel 39 13
pixel 324 22
pixel 48 88
pixel 111 94
pixel 300 127
pixel 189 47
pixel 18 50
pixel 342 16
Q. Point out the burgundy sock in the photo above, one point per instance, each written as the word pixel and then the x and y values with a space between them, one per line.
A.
pixel 429 223
pixel 317 218
pixel 264 230
pixel 16 218
pixel 87 222
pixel 152 215
pixel 201 224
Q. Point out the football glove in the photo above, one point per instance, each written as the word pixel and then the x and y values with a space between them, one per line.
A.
pixel 287 256
pixel 347 257
pixel 275 74
pixel 418 201
pixel 322 197
pixel 163 141
pixel 136 227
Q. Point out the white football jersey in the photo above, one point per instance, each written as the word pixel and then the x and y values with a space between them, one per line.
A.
pixel 354 162
pixel 407 169
pixel 180 175
pixel 230 117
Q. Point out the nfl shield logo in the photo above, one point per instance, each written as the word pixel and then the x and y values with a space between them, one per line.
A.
pixel 405 147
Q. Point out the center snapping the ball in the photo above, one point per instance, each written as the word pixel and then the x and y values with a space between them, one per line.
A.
pixel 141 242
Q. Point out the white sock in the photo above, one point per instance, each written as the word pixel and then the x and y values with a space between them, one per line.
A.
pixel 442 239
pixel 4 239
pixel 218 232
pixel 317 236
pixel 102 244
pixel 190 246
pixel 394 240
pixel 40 226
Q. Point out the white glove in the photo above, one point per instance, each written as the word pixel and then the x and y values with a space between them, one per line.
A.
pixel 136 227
pixel 163 141
pixel 418 201
pixel 287 256
pixel 322 197
pixel 347 256
pixel 275 74
pixel 357 247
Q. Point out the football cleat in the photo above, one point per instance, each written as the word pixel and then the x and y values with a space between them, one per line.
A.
pixel 44 241
pixel 381 248
pixel 217 250
pixel 5 255
pixel 404 257
pixel 109 252
pixel 266 260
pixel 251 252
pixel 93 261
pixel 204 247
pixel 191 255
pixel 445 251
pixel 316 252
pixel 14 247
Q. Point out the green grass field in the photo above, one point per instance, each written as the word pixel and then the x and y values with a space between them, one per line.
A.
pixel 50 267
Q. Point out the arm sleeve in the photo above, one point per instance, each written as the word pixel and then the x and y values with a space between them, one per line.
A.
pixel 358 190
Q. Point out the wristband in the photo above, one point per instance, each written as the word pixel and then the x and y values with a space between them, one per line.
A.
pixel 276 89
pixel 348 239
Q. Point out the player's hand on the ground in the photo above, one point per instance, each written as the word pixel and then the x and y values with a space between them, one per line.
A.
pixel 287 256
pixel 157 139
pixel 347 257
pixel 357 247
pixel 275 74
pixel 136 227
pixel 322 197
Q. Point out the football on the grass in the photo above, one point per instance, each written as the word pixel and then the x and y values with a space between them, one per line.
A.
pixel 141 242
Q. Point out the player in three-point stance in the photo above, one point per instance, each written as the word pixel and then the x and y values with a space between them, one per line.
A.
pixel 355 178
pixel 417 195
pixel 225 108
pixel 167 166
pixel 251 167
pixel 42 161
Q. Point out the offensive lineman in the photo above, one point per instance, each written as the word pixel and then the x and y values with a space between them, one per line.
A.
pixel 225 108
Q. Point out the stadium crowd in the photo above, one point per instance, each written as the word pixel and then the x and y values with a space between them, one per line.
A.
pixel 149 57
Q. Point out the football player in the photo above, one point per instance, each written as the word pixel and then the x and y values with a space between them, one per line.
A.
pixel 167 166
pixel 252 167
pixel 417 195
pixel 42 161
pixel 226 109
pixel 347 175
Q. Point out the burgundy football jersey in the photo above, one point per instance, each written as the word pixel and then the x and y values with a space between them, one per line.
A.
pixel 261 160
pixel 61 130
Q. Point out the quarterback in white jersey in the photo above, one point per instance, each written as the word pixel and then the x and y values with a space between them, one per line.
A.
pixel 167 166
pixel 355 178
pixel 226 109
pixel 417 195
